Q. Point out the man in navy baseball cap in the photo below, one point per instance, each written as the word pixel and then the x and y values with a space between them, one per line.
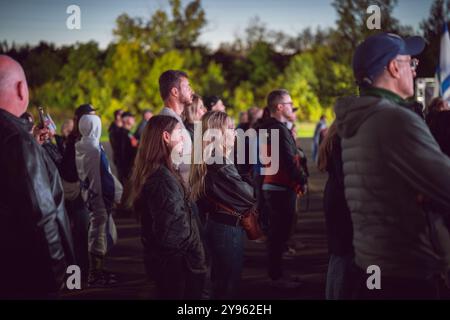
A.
pixel 384 53
pixel 389 158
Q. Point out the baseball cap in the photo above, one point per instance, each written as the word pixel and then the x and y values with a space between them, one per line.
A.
pixel 127 114
pixel 375 53
pixel 84 109
pixel 210 101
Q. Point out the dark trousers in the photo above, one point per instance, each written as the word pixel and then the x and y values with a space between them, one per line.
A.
pixel 339 277
pixel 175 281
pixel 280 206
pixel 262 208
pixel 79 221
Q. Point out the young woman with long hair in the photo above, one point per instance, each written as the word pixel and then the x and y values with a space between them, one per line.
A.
pixel 173 252
pixel 219 190
pixel 193 113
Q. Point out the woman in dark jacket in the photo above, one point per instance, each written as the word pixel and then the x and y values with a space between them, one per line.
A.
pixel 438 120
pixel 219 188
pixel 174 254
pixel 337 219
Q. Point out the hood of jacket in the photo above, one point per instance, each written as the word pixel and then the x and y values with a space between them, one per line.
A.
pixel 90 127
pixel 351 112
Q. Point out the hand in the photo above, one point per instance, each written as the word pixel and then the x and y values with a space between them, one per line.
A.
pixel 41 134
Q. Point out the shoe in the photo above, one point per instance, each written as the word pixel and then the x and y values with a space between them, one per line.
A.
pixel 301 245
pixel 286 283
pixel 101 278
pixel 110 274
pixel 290 253
pixel 260 240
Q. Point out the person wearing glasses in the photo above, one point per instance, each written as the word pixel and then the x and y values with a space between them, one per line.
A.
pixel 390 163
pixel 281 187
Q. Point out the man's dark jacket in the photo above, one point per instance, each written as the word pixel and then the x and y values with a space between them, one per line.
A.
pixel 35 239
pixel 290 173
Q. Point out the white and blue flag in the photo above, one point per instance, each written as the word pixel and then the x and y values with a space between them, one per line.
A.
pixel 444 65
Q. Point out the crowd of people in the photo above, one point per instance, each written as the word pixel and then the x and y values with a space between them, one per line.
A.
pixel 191 213
pixel 386 201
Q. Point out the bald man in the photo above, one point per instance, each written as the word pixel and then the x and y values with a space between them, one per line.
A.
pixel 35 240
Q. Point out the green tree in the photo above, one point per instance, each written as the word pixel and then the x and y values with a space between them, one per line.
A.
pixel 243 98
pixel 351 26
pixel 212 81
pixel 300 80
pixel 432 28
pixel 335 79
pixel 162 32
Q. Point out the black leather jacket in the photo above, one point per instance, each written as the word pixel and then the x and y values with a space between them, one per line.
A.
pixel 35 239
pixel 223 184
pixel 169 228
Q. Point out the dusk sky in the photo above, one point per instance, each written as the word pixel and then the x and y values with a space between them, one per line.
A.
pixel 32 21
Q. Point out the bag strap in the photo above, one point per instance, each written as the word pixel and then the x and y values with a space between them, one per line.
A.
pixel 225 208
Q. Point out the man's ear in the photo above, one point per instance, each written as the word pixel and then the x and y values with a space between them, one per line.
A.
pixel 21 90
pixel 174 91
pixel 393 69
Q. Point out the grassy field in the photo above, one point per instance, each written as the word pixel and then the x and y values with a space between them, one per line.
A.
pixel 304 130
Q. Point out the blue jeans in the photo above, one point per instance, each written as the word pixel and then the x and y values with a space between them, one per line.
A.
pixel 226 250
pixel 339 277
pixel 315 150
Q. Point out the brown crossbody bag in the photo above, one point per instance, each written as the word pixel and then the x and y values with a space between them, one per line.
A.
pixel 248 220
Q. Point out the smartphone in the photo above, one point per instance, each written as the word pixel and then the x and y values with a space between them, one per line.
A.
pixel 41 112
pixel 45 121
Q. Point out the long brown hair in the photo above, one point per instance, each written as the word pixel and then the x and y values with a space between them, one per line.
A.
pixel 190 112
pixel 326 147
pixel 151 155
pixel 210 120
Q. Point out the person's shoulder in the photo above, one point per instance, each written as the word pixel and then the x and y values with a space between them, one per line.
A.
pixel 13 136
pixel 395 121
pixel 225 169
pixel 387 111
pixel 162 180
pixel 273 124
pixel 165 112
pixel 398 113
pixel 444 115
pixel 7 127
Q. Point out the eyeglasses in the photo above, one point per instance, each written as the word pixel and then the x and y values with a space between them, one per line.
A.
pixel 413 63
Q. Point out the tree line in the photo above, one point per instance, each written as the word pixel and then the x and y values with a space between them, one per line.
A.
pixel 314 65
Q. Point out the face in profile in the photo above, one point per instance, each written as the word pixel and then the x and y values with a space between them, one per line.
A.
pixel 219 106
pixel 201 110
pixel 186 92
pixel 230 136
pixel 406 76
pixel 67 128
pixel 175 139
pixel 128 122
pixel 148 116
pixel 287 107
